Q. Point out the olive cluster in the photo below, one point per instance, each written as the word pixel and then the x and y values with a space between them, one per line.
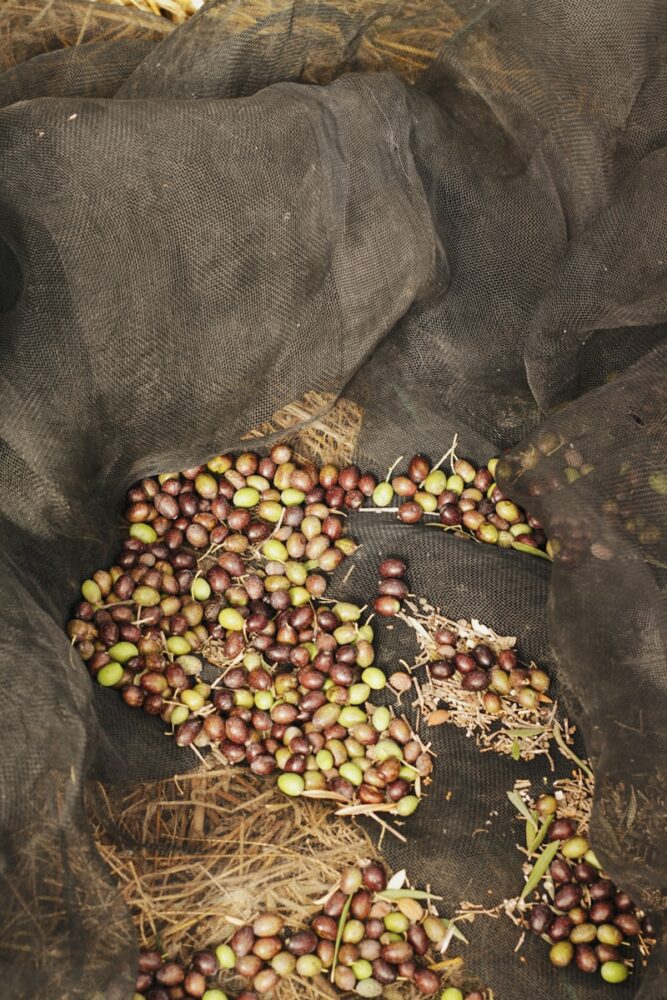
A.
pixel 469 501
pixel 392 588
pixel 481 667
pixel 314 725
pixel 369 939
pixel 588 921
pixel 292 694
pixel 163 979
pixel 367 936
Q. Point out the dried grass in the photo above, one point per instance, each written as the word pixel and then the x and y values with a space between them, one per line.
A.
pixel 520 732
pixel 198 855
pixel 325 428
pixel 404 38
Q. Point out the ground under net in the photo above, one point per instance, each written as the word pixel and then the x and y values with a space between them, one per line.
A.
pixel 454 216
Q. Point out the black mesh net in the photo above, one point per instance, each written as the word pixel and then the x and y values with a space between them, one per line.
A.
pixel 199 226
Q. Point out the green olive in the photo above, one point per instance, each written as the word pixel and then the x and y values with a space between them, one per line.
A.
pixel 270 510
pixel 231 619
pixel 91 592
pixel 354 932
pixel 346 612
pixel 246 497
pixel 275 551
pixel 561 954
pixel 201 590
pixel 374 678
pixel 178 645
pixel 292 498
pixel 383 494
pixel 123 651
pixel 362 969
pixel 396 922
pixel 206 486
pixel 435 482
pixel 283 963
pixel 381 719
pixel 357 694
pixel 426 501
pixel 407 805
pixel 351 772
pixel 386 748
pixel 608 934
pixel 291 784
pixel 614 972
pixel 575 847
pixel 369 988
pixel 192 699
pixel 144 532
pixel 110 674
pixel 148 597
pixel 308 965
pixel 350 715
pixel 179 715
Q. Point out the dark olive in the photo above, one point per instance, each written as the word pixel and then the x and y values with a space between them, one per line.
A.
pixel 484 655
pixel 426 981
pixel 628 923
pixel 397 951
pixel 464 663
pixel 440 670
pixel 242 941
pixel 562 829
pixel 568 896
pixel 383 972
pixel 540 919
pixel 392 568
pixel 476 680
pixel 373 875
pixel 604 888
pixel 560 871
pixel 560 928
pixel 586 959
pixel 585 873
pixel 302 943
pixel 418 938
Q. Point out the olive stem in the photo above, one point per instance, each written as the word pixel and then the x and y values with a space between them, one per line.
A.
pixel 399 459
pixel 567 752
pixel 450 453
pixel 339 935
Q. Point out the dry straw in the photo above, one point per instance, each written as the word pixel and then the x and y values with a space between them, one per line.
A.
pixel 196 856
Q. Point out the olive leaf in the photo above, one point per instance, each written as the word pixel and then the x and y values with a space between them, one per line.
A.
pixel 339 935
pixel 539 868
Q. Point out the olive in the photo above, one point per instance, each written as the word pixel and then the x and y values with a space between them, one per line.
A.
pixel 540 919
pixel 567 896
pixel 302 943
pixel 585 958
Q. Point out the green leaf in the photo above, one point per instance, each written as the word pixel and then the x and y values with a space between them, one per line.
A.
pixel 531 834
pixel 516 750
pixel 568 752
pixel 521 807
pixel 539 868
pixel 526 731
pixel 339 936
pixel 455 931
pixel 391 894
pixel 531 550
pixel 540 835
